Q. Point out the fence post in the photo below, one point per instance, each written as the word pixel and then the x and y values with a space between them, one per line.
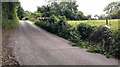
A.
pixel 106 21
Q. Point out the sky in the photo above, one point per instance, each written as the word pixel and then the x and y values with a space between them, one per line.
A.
pixel 88 7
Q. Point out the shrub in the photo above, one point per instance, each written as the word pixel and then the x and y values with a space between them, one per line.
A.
pixel 114 48
pixel 57 25
pixel 85 30
pixel 32 19
pixel 107 40
pixel 41 23
pixel 25 18
pixel 96 49
pixel 82 44
pixel 102 35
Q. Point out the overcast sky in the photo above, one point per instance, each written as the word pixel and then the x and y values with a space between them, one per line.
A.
pixel 88 7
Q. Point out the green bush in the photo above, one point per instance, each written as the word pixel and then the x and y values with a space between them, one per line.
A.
pixel 41 23
pixel 114 48
pixel 107 40
pixel 32 19
pixel 25 18
pixel 85 30
pixel 9 15
pixel 96 49
pixel 57 25
pixel 102 35
pixel 82 44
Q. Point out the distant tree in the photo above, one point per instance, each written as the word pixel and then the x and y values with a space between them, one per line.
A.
pixel 34 15
pixel 70 10
pixel 27 13
pixel 102 17
pixel 44 10
pixel 20 12
pixel 89 17
pixel 115 14
pixel 80 16
pixel 67 9
pixel 113 10
pixel 96 16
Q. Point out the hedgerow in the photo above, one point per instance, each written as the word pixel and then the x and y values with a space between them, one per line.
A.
pixel 9 15
pixel 97 39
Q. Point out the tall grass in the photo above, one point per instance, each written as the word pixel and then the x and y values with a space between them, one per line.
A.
pixel 112 23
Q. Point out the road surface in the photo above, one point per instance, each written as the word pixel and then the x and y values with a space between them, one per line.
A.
pixel 34 46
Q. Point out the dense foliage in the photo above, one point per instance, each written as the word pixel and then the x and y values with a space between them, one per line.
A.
pixel 20 12
pixel 85 30
pixel 107 41
pixel 113 10
pixel 9 15
pixel 33 16
pixel 67 9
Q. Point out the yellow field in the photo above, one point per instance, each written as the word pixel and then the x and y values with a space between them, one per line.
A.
pixel 114 23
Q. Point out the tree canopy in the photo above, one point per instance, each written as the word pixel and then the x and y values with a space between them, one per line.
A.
pixel 67 9
pixel 20 12
pixel 113 10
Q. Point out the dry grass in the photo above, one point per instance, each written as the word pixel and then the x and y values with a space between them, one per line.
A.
pixel 114 23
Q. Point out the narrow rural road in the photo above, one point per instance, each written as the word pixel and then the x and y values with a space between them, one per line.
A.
pixel 34 46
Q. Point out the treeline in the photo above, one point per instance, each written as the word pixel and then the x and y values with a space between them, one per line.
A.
pixel 9 15
pixel 70 11
pixel 67 9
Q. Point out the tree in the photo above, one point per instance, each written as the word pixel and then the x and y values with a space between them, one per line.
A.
pixel 80 16
pixel 102 17
pixel 115 14
pixel 44 10
pixel 20 12
pixel 96 16
pixel 67 9
pixel 113 10
pixel 89 17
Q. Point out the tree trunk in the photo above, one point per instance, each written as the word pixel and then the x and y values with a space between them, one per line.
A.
pixel 106 21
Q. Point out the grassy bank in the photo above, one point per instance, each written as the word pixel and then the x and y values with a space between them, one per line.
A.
pixel 9 15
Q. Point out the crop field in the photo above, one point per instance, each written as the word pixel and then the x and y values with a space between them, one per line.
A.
pixel 114 23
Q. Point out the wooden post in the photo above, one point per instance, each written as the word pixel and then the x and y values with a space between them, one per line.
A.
pixel 106 21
